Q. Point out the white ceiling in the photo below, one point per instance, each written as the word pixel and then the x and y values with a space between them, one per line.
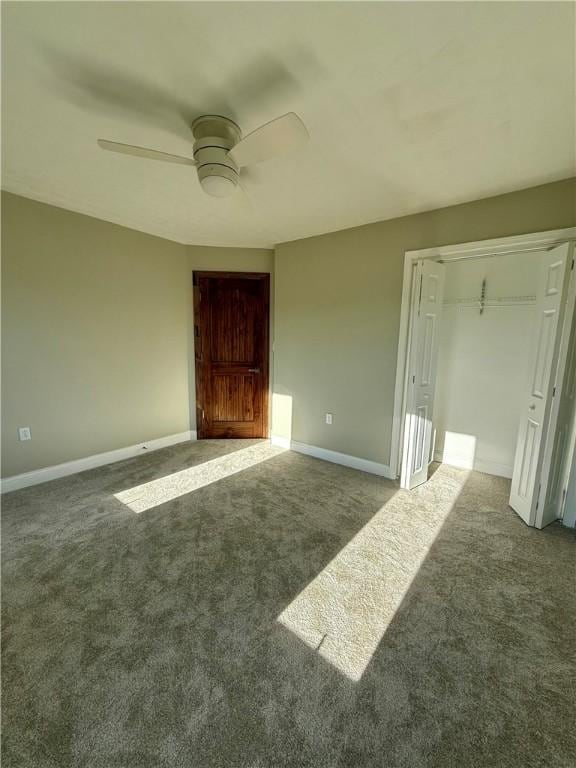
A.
pixel 410 107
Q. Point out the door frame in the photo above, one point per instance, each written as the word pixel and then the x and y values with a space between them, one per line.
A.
pixel 446 254
pixel 228 274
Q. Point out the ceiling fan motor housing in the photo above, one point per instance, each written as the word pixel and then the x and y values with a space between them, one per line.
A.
pixel 214 137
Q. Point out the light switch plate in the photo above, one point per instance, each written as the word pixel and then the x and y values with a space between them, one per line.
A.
pixel 24 433
pixel 328 418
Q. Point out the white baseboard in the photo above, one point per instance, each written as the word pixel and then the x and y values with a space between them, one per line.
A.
pixel 365 465
pixel 480 465
pixel 16 482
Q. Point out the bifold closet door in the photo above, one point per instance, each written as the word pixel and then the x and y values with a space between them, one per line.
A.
pixel 424 340
pixel 560 435
pixel 538 395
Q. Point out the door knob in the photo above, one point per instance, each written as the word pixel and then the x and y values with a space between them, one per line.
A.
pixel 254 370
pixel 532 407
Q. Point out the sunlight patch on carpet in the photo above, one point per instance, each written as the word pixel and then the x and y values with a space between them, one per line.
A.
pixel 156 492
pixel 345 611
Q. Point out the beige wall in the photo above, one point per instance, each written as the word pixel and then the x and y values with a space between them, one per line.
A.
pixel 97 325
pixel 337 313
pixel 96 333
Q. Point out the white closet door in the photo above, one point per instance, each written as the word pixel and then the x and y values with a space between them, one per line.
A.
pixel 560 435
pixel 537 399
pixel 425 322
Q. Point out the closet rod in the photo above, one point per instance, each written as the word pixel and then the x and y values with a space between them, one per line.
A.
pixel 494 255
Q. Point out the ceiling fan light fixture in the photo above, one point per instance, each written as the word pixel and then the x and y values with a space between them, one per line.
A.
pixel 217 172
pixel 218 186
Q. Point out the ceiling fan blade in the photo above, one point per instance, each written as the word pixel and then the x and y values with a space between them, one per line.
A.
pixel 150 154
pixel 244 201
pixel 279 135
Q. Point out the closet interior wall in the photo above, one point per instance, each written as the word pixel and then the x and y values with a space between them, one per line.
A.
pixel 486 335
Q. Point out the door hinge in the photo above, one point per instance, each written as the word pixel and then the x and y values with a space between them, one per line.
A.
pixel 196 331
pixel 572 267
pixel 414 379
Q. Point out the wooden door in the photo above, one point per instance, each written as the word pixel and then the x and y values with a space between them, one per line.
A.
pixel 231 318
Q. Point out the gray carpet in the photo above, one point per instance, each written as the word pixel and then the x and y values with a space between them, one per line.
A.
pixel 288 613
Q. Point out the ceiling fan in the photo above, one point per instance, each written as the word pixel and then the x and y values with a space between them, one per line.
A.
pixel 219 151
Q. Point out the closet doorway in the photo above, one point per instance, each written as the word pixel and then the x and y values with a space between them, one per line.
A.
pixel 483 366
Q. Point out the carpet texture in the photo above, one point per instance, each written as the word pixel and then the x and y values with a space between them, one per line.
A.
pixel 227 604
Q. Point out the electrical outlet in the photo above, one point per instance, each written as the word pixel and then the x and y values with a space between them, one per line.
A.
pixel 328 418
pixel 24 433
